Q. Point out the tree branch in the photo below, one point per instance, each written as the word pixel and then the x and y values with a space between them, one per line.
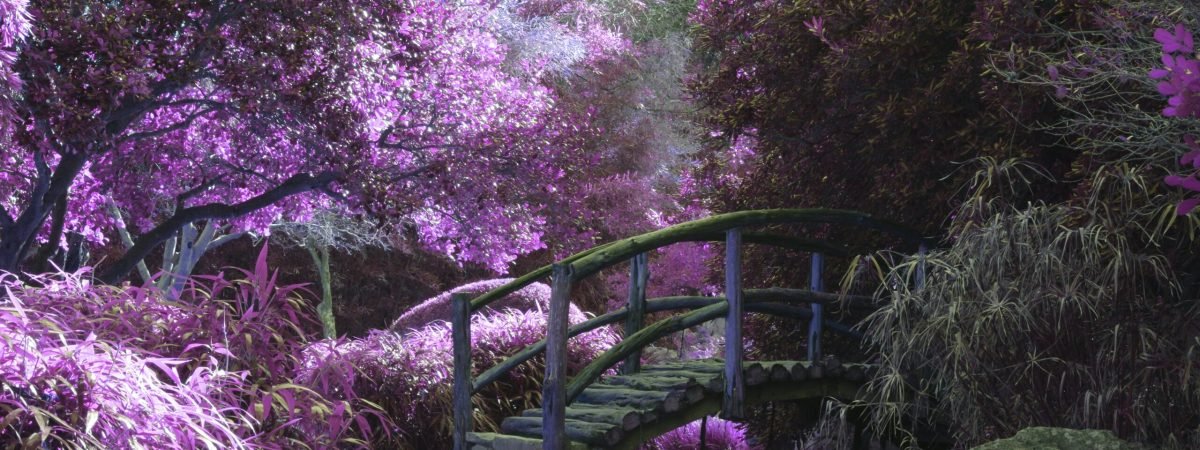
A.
pixel 296 184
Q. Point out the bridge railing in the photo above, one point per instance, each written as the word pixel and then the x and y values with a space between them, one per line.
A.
pixel 555 391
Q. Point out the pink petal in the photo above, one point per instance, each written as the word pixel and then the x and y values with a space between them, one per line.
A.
pixel 1192 157
pixel 1163 37
pixel 1186 206
pixel 1183 39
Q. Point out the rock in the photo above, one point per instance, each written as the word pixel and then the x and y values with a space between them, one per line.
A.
pixel 1047 438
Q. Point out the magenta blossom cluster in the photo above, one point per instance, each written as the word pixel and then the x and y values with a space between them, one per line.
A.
pixel 1180 77
pixel 719 434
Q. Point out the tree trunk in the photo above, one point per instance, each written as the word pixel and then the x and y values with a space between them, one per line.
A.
pixel 320 257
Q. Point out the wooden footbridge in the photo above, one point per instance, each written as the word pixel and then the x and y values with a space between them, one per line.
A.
pixel 623 411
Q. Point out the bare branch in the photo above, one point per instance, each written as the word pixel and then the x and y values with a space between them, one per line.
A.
pixel 296 184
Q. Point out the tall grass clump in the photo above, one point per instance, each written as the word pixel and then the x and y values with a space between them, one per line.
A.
pixel 410 373
pixel 1081 313
pixel 95 366
pixel 1031 318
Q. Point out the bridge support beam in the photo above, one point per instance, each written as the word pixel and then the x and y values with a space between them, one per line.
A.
pixel 817 323
pixel 460 330
pixel 554 386
pixel 733 402
pixel 639 275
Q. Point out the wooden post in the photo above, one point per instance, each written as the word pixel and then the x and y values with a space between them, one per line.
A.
pixel 554 387
pixel 460 328
pixel 920 278
pixel 732 404
pixel 817 322
pixel 639 274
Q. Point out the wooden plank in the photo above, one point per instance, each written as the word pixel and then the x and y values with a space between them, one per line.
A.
pixel 639 275
pixel 816 324
pixel 598 434
pixel 651 333
pixel 668 401
pixel 732 404
pixel 627 418
pixel 554 396
pixel 460 330
pixel 646 382
pixel 754 374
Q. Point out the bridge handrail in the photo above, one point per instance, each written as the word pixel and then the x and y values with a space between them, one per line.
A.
pixel 754 298
pixel 707 229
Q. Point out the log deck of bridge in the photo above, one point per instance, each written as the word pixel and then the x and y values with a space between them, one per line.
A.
pixel 623 411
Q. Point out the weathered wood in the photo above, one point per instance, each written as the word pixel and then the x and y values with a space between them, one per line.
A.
pixel 554 399
pixel 639 340
pixel 596 258
pixel 460 329
pixel 639 275
pixel 627 418
pixel 815 324
pixel 732 405
pixel 754 299
pixel 779 371
pixel 800 371
pixel 754 374
pixel 833 366
pixel 651 382
pixel 598 434
pixel 668 401
pixel 624 249
pixel 710 381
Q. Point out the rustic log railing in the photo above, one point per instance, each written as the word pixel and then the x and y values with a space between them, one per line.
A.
pixel 557 393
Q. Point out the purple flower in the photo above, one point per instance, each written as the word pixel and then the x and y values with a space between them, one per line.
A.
pixel 1180 41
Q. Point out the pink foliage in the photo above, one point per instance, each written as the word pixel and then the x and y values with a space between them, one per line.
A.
pixel 109 367
pixel 391 106
pixel 410 374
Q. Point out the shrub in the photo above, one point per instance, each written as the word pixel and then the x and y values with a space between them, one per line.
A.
pixel 71 382
pixel 410 374
pixel 536 296
pixel 87 366
pixel 1063 323
pixel 720 434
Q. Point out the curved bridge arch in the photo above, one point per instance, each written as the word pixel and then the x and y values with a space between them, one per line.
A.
pixel 557 393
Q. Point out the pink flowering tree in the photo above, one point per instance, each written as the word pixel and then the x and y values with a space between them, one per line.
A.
pixel 234 115
pixel 1180 77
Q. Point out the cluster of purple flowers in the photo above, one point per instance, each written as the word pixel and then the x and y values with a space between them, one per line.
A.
pixel 1180 77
